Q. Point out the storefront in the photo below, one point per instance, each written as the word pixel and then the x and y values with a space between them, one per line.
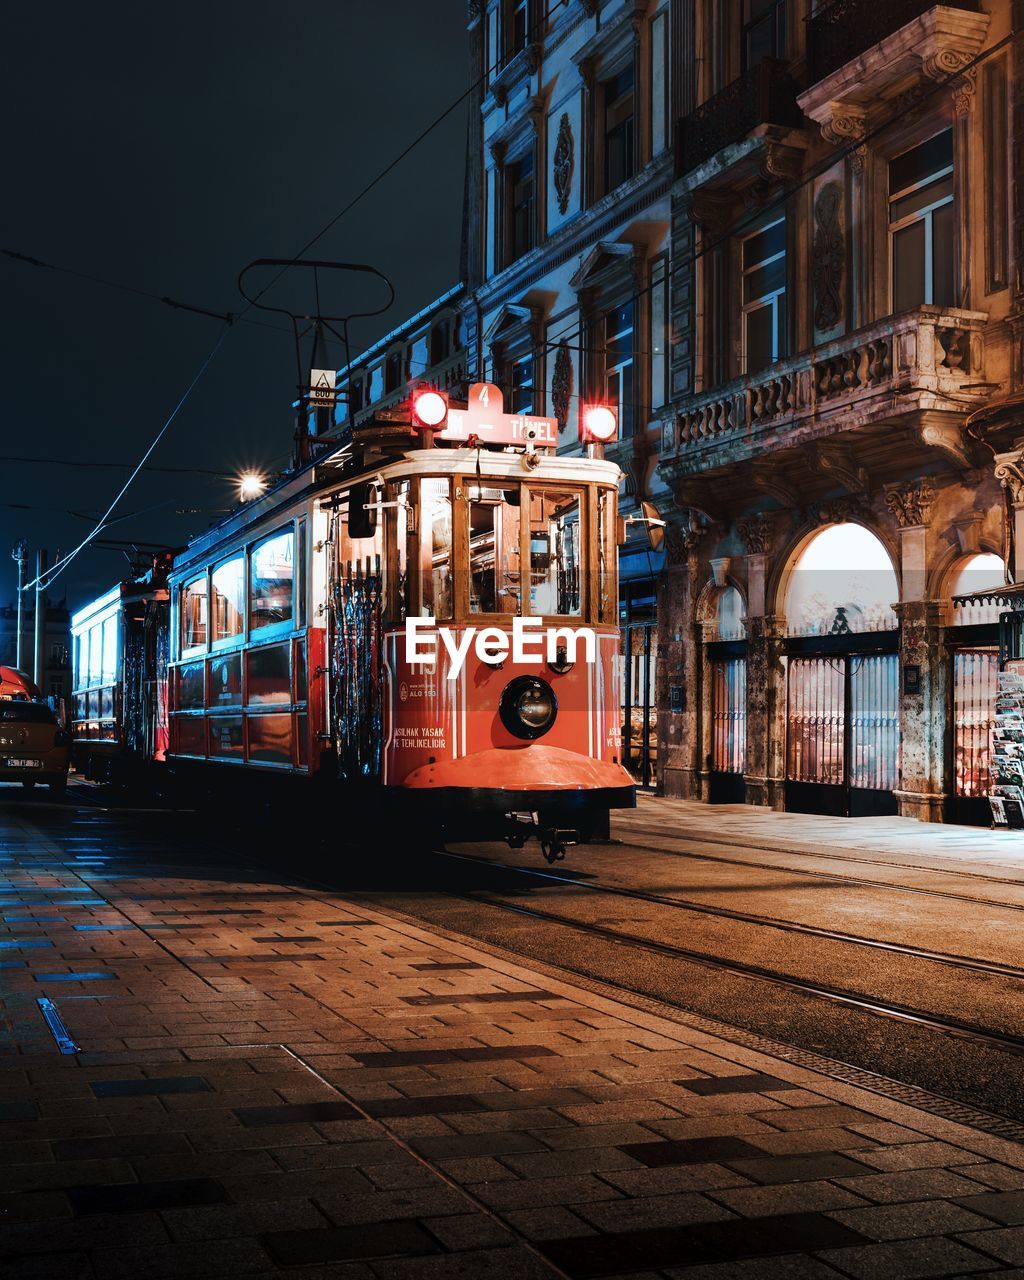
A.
pixel 639 568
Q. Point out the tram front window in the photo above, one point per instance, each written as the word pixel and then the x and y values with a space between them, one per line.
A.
pixel 436 547
pixel 555 553
pixel 494 573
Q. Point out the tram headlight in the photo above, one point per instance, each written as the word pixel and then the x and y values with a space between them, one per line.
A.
pixel 528 707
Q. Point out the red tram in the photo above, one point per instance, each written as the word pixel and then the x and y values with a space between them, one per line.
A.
pixel 287 624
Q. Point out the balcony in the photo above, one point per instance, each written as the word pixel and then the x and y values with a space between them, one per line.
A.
pixel 729 131
pixel 845 29
pixel 929 362
pixel 864 56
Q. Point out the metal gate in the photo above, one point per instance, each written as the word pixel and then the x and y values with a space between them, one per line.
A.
pixel 974 700
pixel 728 730
pixel 639 702
pixel 842 734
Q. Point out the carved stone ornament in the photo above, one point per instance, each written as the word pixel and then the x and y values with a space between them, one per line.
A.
pixel 911 504
pixel 1009 471
pixel 835 511
pixel 847 124
pixel 827 257
pixel 561 384
pixel 756 534
pixel 562 164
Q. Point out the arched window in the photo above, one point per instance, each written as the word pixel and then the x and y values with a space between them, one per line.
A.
pixel 979 572
pixel 729 615
pixel 842 580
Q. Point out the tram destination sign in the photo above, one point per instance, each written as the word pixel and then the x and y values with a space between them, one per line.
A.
pixel 485 418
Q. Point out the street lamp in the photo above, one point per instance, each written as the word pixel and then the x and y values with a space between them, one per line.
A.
pixel 250 485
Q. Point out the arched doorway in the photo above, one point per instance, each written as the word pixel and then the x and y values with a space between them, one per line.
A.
pixel 842 697
pixel 973 642
pixel 727 665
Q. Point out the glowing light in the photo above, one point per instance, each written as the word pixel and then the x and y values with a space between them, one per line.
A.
pixel 250 485
pixel 429 409
pixel 843 568
pixel 599 423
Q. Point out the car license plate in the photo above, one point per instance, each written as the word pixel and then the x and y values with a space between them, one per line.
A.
pixel 25 764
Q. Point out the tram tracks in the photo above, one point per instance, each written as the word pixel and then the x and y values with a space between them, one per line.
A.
pixel 886 1009
pixel 728 913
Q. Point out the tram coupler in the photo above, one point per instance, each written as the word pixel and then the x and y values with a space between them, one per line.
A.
pixel 553 841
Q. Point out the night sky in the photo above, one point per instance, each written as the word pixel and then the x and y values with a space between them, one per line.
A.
pixel 164 148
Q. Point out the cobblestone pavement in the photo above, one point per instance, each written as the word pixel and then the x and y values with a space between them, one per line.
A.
pixel 274 1080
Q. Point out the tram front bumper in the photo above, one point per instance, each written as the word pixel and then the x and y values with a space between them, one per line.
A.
pixel 527 778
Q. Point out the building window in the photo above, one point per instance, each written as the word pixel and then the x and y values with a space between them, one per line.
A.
pixel 519 187
pixel 440 341
pixel 619 131
pixel 922 230
pixel 764 297
pixel 517 27
pixel 618 364
pixel 764 31
pixel 58 655
pixel 659 332
pixel 521 385
pixel 393 372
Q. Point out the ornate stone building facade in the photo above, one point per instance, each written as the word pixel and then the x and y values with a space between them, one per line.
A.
pixel 786 238
pixel 844 462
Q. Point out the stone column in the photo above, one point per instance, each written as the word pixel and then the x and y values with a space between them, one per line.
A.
pixel 765 771
pixel 924 675
pixel 677 682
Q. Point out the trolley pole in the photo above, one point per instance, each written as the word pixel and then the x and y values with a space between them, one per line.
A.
pixel 40 618
pixel 18 556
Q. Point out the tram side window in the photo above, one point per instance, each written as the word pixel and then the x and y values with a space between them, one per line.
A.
pixel 109 673
pixel 228 598
pixel 193 614
pixel 95 655
pixel 556 565
pixel 271 574
pixel 494 570
pixel 436 548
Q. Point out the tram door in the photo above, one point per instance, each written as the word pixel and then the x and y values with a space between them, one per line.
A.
pixel 842 734
pixel 974 700
pixel 728 730
pixel 639 704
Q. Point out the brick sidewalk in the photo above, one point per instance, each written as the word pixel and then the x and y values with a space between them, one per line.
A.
pixel 275 1082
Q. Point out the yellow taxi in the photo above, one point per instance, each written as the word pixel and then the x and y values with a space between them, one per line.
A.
pixel 33 746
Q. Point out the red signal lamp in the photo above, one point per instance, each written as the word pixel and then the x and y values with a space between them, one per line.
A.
pixel 429 409
pixel 599 424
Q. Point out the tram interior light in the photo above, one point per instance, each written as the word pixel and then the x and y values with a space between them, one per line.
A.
pixel 250 485
pixel 429 409
pixel 599 424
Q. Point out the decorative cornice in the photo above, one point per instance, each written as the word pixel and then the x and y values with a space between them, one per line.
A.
pixel 837 461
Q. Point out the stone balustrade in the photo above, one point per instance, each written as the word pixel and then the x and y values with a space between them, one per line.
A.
pixel 924 355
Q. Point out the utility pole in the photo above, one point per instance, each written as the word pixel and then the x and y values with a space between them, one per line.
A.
pixel 18 556
pixel 40 620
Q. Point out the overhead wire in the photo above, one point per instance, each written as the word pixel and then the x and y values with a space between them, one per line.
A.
pixel 51 574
